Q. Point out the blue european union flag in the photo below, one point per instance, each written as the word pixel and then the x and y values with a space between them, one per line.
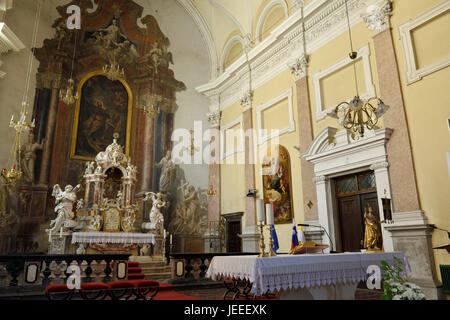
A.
pixel 275 238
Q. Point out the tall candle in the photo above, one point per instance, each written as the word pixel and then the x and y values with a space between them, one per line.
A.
pixel 170 238
pixel 164 233
pixel 269 214
pixel 260 210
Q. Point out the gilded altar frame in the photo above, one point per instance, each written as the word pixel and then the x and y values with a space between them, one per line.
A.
pixel 77 116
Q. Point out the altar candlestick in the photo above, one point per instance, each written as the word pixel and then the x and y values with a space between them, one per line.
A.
pixel 260 210
pixel 269 214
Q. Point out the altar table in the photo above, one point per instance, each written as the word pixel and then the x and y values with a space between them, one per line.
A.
pixel 306 276
pixel 112 237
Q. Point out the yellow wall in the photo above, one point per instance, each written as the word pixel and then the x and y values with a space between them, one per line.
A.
pixel 427 104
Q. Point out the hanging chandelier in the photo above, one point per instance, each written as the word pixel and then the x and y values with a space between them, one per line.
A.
pixel 67 97
pixel 15 158
pixel 113 71
pixel 358 114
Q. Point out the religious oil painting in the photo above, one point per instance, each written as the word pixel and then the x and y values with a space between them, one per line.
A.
pixel 102 110
pixel 277 183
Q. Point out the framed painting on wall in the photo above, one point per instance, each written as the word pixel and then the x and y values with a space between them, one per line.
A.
pixel 277 184
pixel 104 108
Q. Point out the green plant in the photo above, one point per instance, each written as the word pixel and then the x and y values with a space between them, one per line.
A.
pixel 395 286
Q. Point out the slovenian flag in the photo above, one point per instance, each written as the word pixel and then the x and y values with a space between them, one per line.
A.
pixel 275 238
pixel 294 241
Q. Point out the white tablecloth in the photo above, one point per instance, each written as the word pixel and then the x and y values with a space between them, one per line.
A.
pixel 290 272
pixel 112 237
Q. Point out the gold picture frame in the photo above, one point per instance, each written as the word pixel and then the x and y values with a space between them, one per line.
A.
pixel 81 83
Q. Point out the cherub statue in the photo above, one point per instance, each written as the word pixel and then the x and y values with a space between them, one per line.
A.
pixel 144 250
pixel 81 249
pixel 64 201
pixel 95 223
pixel 89 167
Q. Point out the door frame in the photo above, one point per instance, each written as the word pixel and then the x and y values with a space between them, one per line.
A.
pixel 333 153
pixel 232 217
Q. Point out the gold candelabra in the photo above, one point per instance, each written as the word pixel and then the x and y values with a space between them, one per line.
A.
pixel 20 126
pixel 262 246
pixel 271 252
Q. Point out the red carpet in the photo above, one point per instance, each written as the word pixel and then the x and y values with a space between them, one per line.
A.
pixel 134 272
pixel 172 295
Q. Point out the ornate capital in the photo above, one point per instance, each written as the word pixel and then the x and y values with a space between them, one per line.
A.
pixel 48 80
pixel 246 100
pixel 320 179
pixel 379 165
pixel 299 67
pixel 377 16
pixel 214 118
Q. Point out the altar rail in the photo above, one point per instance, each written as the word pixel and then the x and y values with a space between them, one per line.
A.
pixel 192 267
pixel 33 272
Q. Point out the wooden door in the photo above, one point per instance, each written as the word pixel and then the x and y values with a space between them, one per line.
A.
pixel 354 193
pixel 351 223
pixel 234 242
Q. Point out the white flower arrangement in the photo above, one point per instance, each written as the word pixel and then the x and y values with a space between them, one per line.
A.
pixel 396 287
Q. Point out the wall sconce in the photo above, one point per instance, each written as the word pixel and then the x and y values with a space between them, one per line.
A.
pixel 252 192
pixel 211 191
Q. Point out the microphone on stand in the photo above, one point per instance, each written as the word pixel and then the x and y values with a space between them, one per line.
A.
pixel 313 225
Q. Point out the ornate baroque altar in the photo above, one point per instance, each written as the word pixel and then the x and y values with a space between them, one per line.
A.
pixel 105 219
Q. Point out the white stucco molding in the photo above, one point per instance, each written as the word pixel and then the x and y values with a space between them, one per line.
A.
pixel 206 34
pixel 324 21
pixel 8 41
pixel 262 138
pixel 364 55
pixel 6 5
pixel 223 143
pixel 227 48
pixel 413 73
pixel 264 14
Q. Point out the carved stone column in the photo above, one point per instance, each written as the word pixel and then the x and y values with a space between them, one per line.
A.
pixel 409 231
pixel 146 165
pixel 52 82
pixel 212 237
pixel 299 69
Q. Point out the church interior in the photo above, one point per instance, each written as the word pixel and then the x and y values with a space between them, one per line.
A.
pixel 224 149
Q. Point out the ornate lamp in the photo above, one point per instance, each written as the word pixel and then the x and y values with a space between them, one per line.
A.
pixel 358 114
pixel 113 71
pixel 20 126
pixel 67 97
pixel 13 174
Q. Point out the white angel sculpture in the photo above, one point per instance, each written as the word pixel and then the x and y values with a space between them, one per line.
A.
pixel 64 201
pixel 156 216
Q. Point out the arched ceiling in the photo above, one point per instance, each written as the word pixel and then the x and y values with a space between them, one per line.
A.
pixel 227 18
